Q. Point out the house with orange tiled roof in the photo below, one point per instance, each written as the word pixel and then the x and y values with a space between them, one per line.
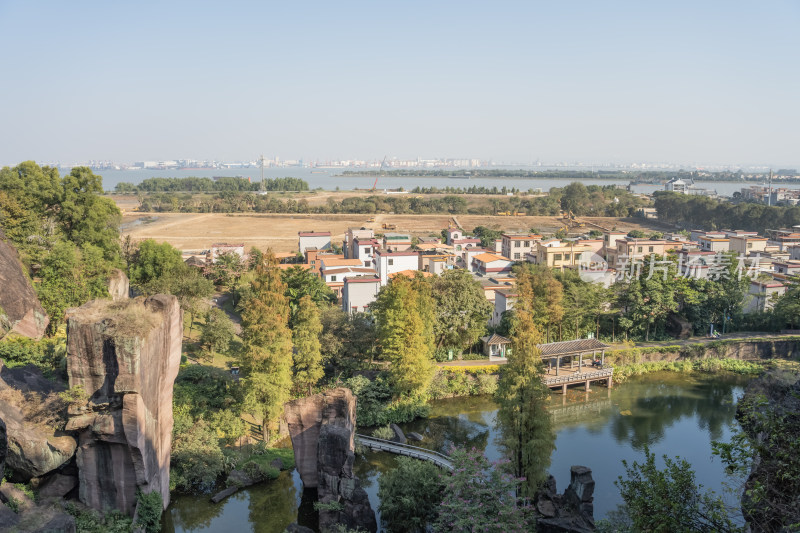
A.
pixel 488 263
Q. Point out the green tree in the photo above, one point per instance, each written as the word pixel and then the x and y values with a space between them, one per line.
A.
pixel 526 430
pixel 197 459
pixel 267 345
pixel 404 313
pixel 410 495
pixel 461 308
pixel 305 335
pixel 788 306
pixel 481 497
pixel 302 282
pixel 86 216
pixel 153 261
pixel 669 500
pixel 217 332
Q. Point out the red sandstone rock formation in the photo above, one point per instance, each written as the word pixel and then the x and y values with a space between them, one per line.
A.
pixel 322 428
pixel 20 310
pixel 118 285
pixel 126 357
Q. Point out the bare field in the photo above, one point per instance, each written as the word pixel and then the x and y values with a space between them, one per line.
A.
pixel 198 231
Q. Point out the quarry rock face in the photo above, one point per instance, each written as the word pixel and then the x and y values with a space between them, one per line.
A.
pixel 3 448
pixel 126 356
pixel 322 428
pixel 33 449
pixel 119 287
pixel 20 310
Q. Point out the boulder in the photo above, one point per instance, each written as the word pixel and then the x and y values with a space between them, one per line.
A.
pixel 322 428
pixel 398 434
pixel 33 450
pixel 9 492
pixel 48 517
pixel 118 285
pixel 20 310
pixel 277 464
pixel 8 518
pixel 55 485
pixel 221 495
pixel 239 479
pixel 413 435
pixel 126 356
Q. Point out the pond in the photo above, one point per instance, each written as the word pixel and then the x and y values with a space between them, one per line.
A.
pixel 673 414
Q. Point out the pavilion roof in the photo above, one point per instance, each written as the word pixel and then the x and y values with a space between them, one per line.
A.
pixel 560 349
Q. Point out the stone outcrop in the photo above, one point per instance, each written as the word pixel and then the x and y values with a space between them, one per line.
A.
pixel 3 447
pixel 769 414
pixel 571 512
pixel 322 428
pixel 33 449
pixel 20 310
pixel 119 287
pixel 126 356
pixel 399 436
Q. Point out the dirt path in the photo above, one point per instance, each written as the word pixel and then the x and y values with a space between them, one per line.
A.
pixel 219 299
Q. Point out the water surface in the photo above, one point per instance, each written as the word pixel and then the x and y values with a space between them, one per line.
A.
pixel 672 414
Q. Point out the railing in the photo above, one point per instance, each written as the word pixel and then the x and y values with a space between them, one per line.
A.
pixel 374 443
pixel 578 377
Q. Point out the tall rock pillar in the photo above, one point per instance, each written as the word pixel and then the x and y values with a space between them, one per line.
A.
pixel 126 356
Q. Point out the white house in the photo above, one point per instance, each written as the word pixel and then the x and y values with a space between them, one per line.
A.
pixel 484 264
pixel 761 295
pixel 352 236
pixel 321 240
pixel 390 262
pixel 503 301
pixel 359 292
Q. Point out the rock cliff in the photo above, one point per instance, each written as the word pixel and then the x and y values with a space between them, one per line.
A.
pixel 20 310
pixel 571 512
pixel 126 356
pixel 322 428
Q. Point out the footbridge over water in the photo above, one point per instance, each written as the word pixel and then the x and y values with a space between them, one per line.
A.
pixel 375 444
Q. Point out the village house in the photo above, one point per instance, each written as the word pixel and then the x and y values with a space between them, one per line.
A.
pixel 485 264
pixel 358 292
pixel 762 295
pixel 794 252
pixel 334 276
pixel 313 258
pixel 563 255
pixel 503 301
pixel 610 243
pixel 787 268
pixel 436 263
pixel 320 240
pixel 387 262
pixel 351 238
pixel 516 245
pixel 396 242
pixel 714 243
pixel 747 244
pixel 491 285
pixel 630 249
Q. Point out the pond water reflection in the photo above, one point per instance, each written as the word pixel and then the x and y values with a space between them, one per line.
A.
pixel 673 414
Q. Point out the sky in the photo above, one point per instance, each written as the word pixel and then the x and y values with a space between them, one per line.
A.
pixel 700 82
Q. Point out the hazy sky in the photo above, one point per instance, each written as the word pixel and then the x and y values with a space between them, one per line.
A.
pixel 594 81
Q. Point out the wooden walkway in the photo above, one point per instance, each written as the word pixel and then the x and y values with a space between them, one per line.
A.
pixel 584 374
pixel 375 444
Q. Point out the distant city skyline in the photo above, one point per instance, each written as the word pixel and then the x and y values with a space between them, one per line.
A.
pixel 709 84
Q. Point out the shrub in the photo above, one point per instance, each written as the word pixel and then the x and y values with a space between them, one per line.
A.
pixel 148 511
pixel 410 495
pixel 487 383
pixel 383 432
pixel 197 459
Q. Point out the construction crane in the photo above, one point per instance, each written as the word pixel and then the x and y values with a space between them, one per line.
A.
pixel 375 184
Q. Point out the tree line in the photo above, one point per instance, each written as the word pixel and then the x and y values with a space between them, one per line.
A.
pixel 578 198
pixel 702 212
pixel 193 184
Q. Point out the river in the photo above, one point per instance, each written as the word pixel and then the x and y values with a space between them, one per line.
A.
pixel 328 179
pixel 673 414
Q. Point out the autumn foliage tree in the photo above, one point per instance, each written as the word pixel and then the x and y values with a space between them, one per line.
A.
pixel 267 345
